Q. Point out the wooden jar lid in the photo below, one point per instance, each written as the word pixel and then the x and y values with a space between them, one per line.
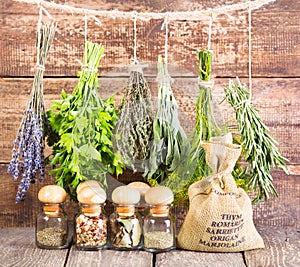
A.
pixel 125 195
pixel 88 183
pixel 91 195
pixel 141 187
pixel 52 194
pixel 159 195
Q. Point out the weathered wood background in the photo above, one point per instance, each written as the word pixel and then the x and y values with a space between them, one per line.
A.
pixel 275 69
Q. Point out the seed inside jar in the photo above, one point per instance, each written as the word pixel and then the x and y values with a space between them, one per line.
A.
pixel 90 231
pixel 158 240
pixel 52 237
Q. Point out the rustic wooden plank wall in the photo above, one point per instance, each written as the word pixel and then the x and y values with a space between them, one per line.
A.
pixel 275 69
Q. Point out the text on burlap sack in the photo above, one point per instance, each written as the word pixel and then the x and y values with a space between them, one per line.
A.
pixel 225 232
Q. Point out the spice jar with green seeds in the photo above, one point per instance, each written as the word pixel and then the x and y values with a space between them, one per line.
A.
pixel 52 231
pixel 158 226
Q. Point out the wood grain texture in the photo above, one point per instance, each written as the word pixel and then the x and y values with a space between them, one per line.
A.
pixel 199 259
pixel 281 249
pixel 275 38
pixel 17 248
pixel 109 258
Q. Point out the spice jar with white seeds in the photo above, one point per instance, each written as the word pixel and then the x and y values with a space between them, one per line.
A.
pixel 52 230
pixel 125 226
pixel 158 225
pixel 91 221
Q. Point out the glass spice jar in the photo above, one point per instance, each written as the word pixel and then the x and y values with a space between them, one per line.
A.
pixel 91 227
pixel 125 226
pixel 158 225
pixel 52 231
pixel 91 221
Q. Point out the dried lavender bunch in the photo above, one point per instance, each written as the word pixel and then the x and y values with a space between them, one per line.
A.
pixel 28 148
pixel 134 127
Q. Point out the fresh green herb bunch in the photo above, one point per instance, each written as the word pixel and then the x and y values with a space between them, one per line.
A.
pixel 134 128
pixel 169 136
pixel 259 147
pixel 205 65
pixel 193 166
pixel 82 130
pixel 28 149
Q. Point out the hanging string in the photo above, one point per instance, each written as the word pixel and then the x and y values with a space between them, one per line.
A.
pixel 210 30
pixel 250 51
pixel 135 40
pixel 39 35
pixel 165 24
pixel 181 15
pixel 85 28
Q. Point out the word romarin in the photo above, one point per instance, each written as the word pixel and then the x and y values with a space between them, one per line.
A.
pixel 225 233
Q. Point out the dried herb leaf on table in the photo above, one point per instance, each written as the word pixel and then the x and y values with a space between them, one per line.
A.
pixel 168 135
pixel 134 128
pixel 28 149
pixel 260 149
pixel 82 126
pixel 193 166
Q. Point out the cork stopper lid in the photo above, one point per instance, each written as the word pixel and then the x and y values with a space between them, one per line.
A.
pixel 91 195
pixel 125 195
pixel 159 195
pixel 52 194
pixel 141 187
pixel 88 183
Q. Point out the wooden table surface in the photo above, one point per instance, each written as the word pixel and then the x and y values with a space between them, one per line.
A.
pixel 17 248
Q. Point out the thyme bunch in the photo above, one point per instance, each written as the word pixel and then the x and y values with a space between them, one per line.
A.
pixel 260 149
pixel 134 127
pixel 27 160
pixel 168 134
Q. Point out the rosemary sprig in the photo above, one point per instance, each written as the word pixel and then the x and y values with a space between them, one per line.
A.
pixel 169 136
pixel 260 148
pixel 28 149
pixel 134 127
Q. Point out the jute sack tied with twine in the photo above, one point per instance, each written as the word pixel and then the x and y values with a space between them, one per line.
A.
pixel 220 214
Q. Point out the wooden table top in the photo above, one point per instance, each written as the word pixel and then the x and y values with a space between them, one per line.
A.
pixel 17 248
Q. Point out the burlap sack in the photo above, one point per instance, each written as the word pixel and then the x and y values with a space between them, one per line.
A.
pixel 220 214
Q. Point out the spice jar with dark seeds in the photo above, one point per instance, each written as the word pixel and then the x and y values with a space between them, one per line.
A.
pixel 52 231
pixel 158 225
pixel 91 221
pixel 125 226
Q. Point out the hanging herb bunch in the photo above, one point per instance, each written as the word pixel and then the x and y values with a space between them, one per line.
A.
pixel 28 149
pixel 82 129
pixel 168 135
pixel 193 166
pixel 260 150
pixel 134 127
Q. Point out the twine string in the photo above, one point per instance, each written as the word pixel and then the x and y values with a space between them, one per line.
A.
pixel 146 16
pixel 250 50
pixel 166 39
pixel 210 29
pixel 135 39
pixel 85 28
